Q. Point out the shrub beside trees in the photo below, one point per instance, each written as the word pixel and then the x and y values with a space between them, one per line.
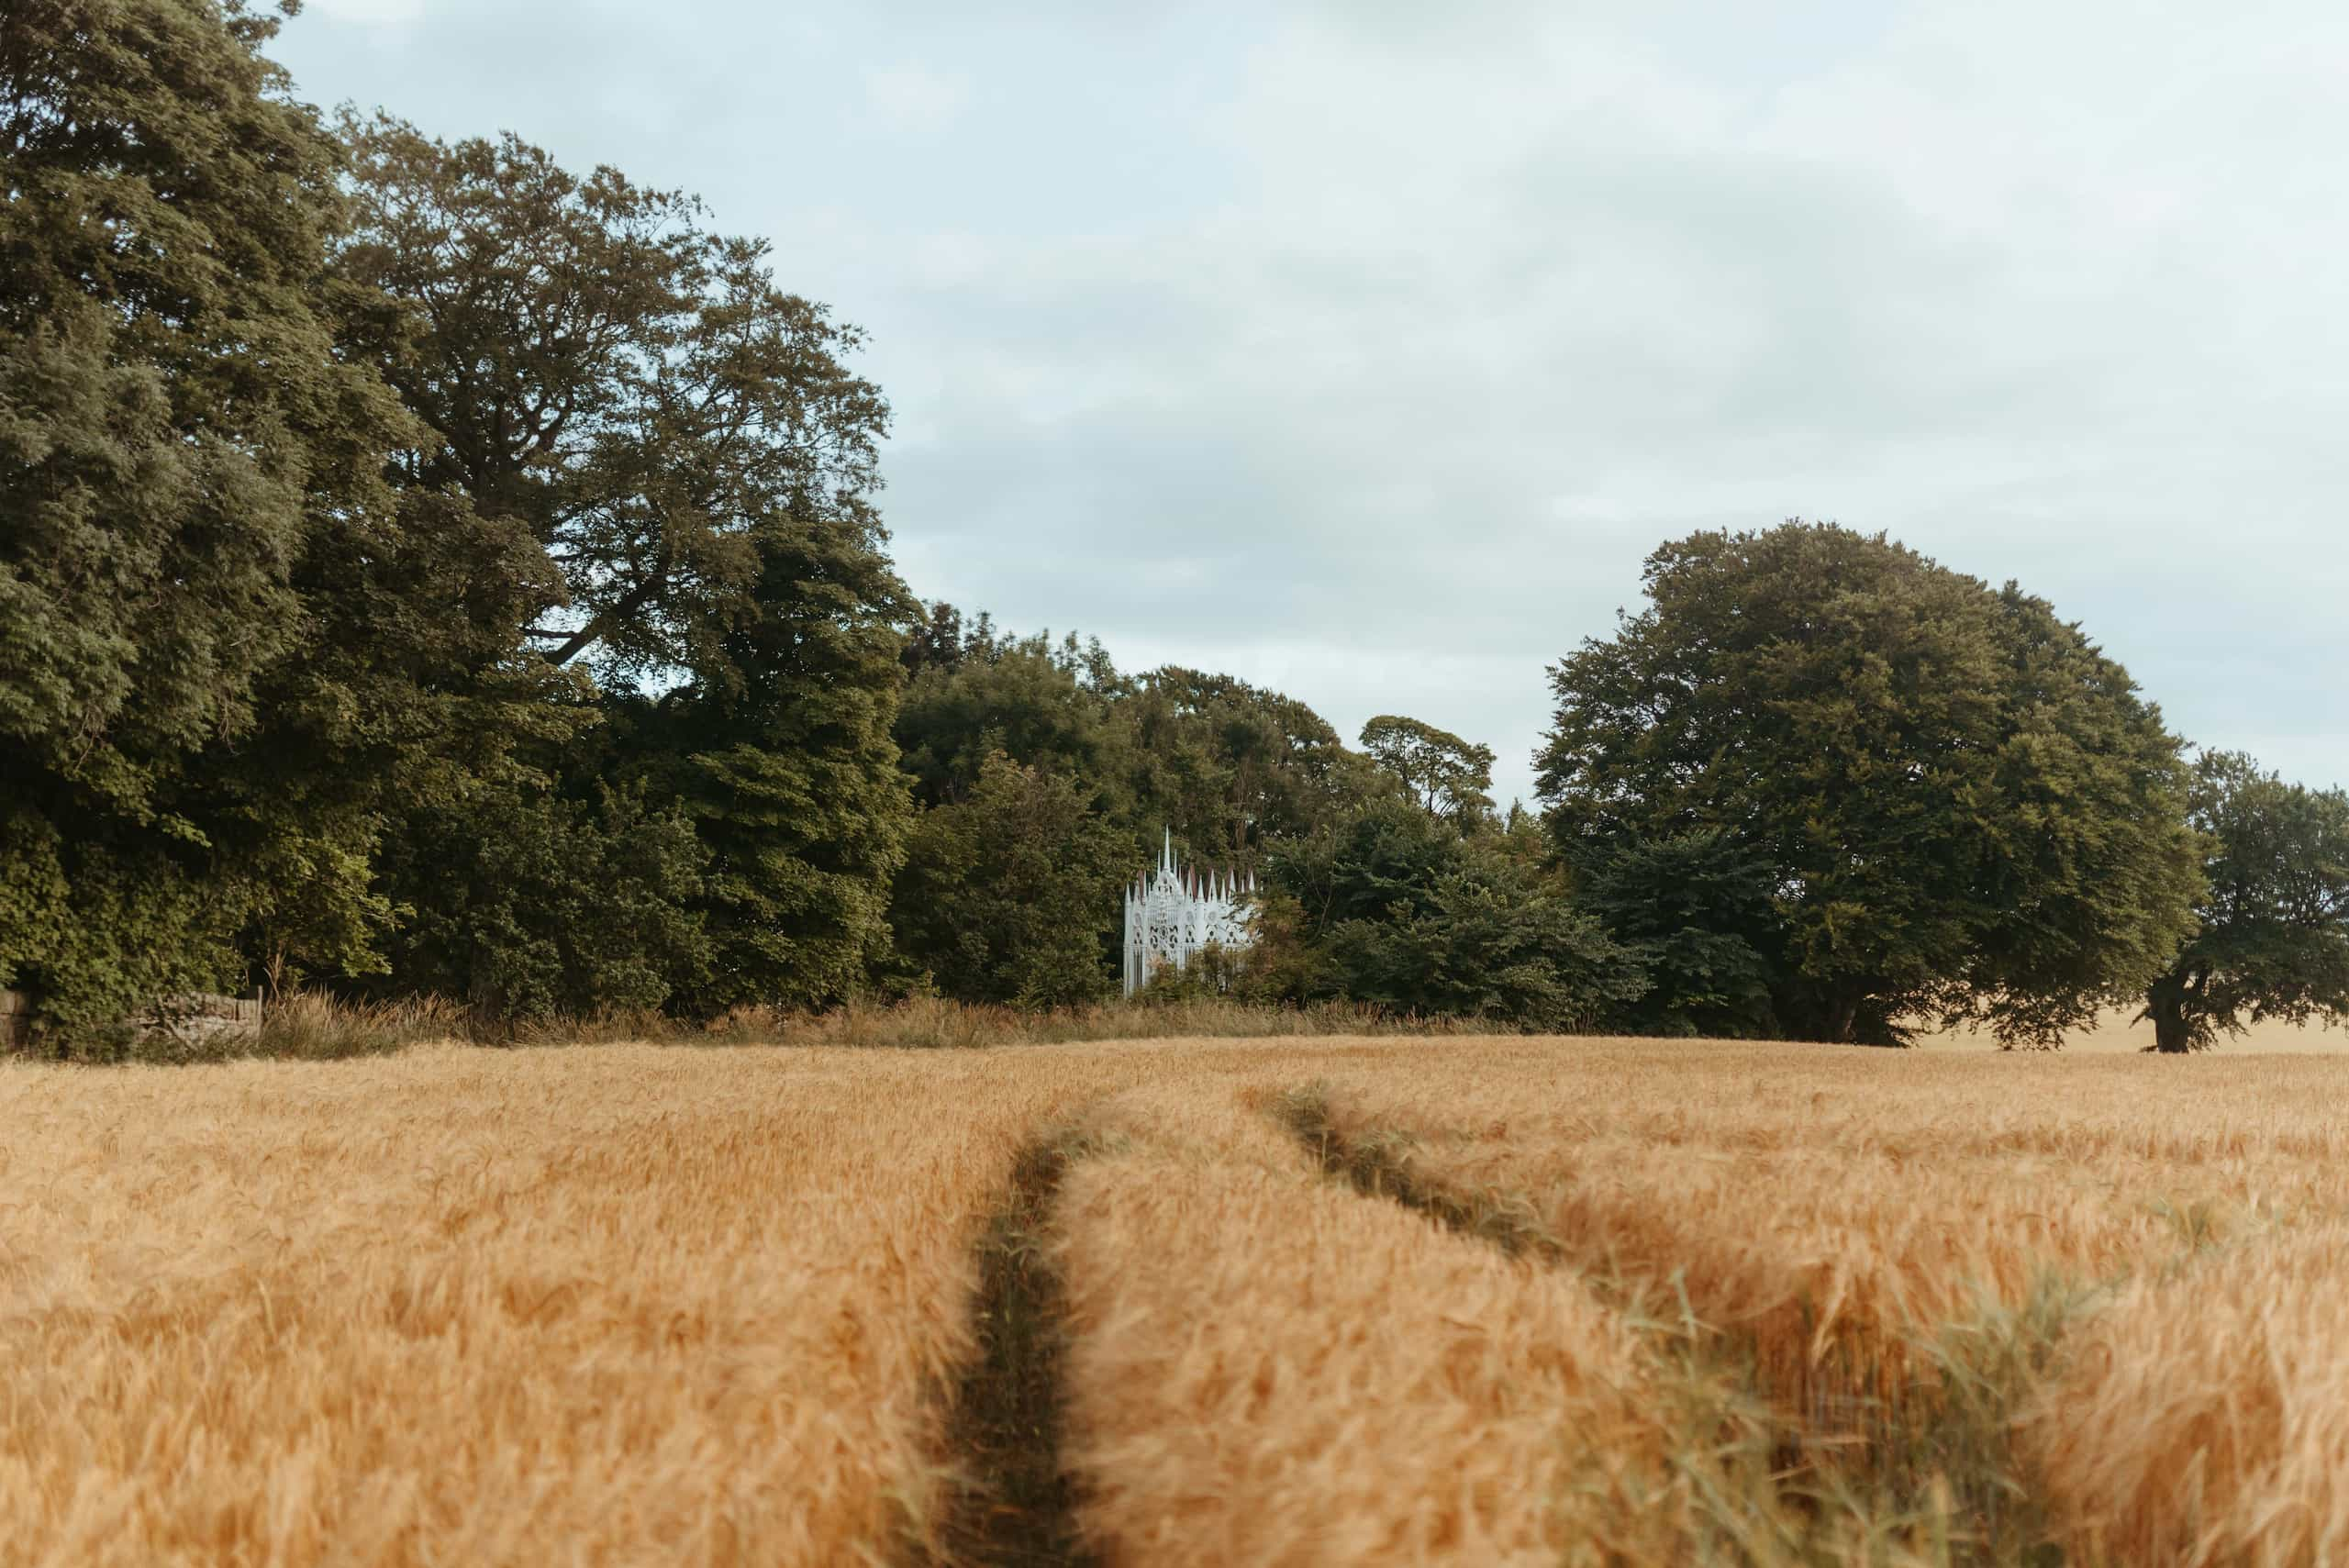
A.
pixel 1697 907
pixel 1011 894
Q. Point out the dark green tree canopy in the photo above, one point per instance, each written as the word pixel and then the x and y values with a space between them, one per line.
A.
pixel 528 906
pixel 1447 775
pixel 631 402
pixel 217 626
pixel 1232 768
pixel 1698 910
pixel 633 391
pixel 784 761
pixel 1391 906
pixel 1010 893
pixel 1964 809
pixel 166 379
pixel 1226 767
pixel 937 637
pixel 2273 940
pixel 1039 704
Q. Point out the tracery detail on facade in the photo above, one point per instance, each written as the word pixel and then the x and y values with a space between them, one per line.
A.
pixel 1175 911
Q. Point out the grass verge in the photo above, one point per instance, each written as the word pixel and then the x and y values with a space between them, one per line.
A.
pixel 933 1023
pixel 316 1027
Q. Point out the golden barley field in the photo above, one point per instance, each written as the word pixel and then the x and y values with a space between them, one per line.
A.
pixel 1302 1301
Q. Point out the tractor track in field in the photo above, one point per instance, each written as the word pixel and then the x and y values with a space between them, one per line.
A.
pixel 1369 1165
pixel 1011 1503
pixel 1378 1166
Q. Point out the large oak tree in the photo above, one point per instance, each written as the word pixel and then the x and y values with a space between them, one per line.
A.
pixel 633 390
pixel 680 442
pixel 225 641
pixel 1962 808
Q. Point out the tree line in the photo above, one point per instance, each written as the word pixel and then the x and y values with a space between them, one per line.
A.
pixel 426 569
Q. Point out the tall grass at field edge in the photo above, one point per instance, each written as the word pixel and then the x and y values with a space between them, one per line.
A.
pixel 312 1025
pixel 927 1023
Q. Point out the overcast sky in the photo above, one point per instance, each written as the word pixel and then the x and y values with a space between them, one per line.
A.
pixel 1366 350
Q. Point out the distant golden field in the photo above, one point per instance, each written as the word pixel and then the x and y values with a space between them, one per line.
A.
pixel 1470 1300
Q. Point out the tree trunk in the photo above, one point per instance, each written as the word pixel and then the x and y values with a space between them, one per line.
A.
pixel 1843 1016
pixel 2165 1005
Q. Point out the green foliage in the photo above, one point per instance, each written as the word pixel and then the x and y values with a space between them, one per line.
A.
pixel 1041 706
pixel 2274 935
pixel 1964 807
pixel 1445 774
pixel 183 456
pixel 788 768
pixel 1213 972
pixel 529 906
pixel 677 448
pixel 1009 896
pixel 632 391
pixel 939 637
pixel 1234 769
pixel 162 364
pixel 1228 767
pixel 91 925
pixel 1697 907
pixel 1400 909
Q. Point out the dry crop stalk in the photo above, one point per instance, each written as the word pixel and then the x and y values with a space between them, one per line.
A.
pixel 1269 1370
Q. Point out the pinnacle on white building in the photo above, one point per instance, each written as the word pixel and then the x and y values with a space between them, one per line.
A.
pixel 1173 912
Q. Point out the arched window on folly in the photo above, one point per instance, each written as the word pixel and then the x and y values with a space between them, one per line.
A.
pixel 1176 910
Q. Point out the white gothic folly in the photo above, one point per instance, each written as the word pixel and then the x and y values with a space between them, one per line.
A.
pixel 1175 911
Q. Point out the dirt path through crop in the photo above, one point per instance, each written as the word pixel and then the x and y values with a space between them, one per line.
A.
pixel 1012 1505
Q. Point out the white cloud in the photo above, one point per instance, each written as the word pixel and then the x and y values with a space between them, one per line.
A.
pixel 915 98
pixel 1367 350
